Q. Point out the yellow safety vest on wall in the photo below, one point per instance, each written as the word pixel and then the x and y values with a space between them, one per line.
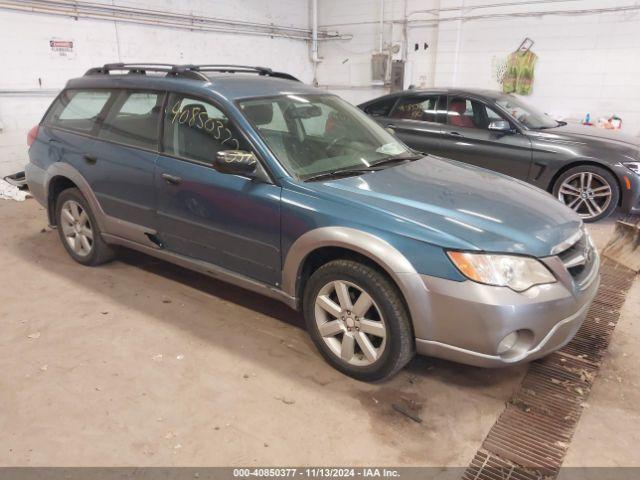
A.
pixel 519 75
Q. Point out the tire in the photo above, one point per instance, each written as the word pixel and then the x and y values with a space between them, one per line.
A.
pixel 592 192
pixel 385 323
pixel 76 220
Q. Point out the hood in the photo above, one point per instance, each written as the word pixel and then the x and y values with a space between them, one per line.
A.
pixel 457 205
pixel 585 134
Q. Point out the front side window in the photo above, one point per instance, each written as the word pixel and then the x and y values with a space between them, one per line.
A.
pixel 195 129
pixel 463 112
pixel 467 113
pixel 492 115
pixel 525 114
pixel 320 133
pixel 78 110
pixel 420 108
pixel 133 119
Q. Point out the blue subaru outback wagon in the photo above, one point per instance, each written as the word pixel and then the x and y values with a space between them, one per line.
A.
pixel 247 175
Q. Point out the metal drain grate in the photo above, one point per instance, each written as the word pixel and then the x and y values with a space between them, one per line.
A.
pixel 531 437
pixel 485 466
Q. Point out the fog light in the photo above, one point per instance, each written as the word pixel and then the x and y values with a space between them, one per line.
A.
pixel 507 343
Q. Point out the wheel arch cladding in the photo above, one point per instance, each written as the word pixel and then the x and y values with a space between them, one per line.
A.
pixel 323 255
pixel 57 185
pixel 67 175
pixel 336 240
pixel 580 163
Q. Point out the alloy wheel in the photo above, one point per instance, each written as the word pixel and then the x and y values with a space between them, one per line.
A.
pixel 350 323
pixel 76 228
pixel 587 193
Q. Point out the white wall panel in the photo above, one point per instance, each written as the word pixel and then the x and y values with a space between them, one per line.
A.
pixel 28 63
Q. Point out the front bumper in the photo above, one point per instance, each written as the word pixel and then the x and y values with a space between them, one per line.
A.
pixel 468 320
pixel 630 190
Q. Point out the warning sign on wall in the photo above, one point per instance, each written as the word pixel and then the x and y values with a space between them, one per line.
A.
pixel 62 48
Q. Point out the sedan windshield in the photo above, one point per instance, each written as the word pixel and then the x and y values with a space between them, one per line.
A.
pixel 312 135
pixel 525 114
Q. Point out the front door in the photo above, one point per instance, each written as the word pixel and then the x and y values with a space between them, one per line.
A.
pixel 227 220
pixel 468 139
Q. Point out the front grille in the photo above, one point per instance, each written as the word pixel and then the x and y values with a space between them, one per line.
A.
pixel 579 260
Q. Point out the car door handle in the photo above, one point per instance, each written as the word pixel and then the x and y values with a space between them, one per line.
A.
pixel 455 134
pixel 173 180
pixel 90 159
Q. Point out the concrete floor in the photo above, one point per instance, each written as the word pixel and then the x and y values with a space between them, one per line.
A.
pixel 608 433
pixel 139 362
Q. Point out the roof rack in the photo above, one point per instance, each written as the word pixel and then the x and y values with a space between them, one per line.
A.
pixel 245 68
pixel 186 71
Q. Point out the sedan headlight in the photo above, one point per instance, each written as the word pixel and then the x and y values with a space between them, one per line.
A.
pixel 633 166
pixel 517 273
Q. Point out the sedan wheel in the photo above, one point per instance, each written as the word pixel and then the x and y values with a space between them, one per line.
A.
pixel 350 323
pixel 76 228
pixel 587 193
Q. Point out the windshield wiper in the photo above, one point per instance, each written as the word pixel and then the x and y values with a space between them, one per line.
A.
pixel 344 172
pixel 399 158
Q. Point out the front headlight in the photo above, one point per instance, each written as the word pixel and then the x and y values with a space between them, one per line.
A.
pixel 633 166
pixel 517 273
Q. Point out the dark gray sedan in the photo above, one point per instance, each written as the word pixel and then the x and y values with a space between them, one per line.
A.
pixel 589 169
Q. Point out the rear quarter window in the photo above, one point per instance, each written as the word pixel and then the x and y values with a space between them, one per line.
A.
pixel 77 110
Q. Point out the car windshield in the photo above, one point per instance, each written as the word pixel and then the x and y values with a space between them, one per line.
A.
pixel 316 134
pixel 525 114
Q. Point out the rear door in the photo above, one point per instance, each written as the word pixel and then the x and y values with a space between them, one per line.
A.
pixel 121 164
pixel 417 119
pixel 467 138
pixel 71 125
pixel 228 220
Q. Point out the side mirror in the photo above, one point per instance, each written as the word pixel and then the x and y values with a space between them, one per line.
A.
pixel 500 126
pixel 235 162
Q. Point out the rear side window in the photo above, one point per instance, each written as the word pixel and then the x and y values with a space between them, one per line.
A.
pixel 381 108
pixel 421 108
pixel 78 109
pixel 133 119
